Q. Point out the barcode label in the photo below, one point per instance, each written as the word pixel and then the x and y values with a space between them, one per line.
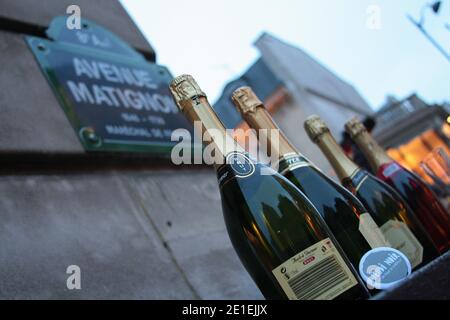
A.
pixel 317 273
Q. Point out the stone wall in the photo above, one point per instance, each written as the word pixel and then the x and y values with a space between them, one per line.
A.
pixel 138 227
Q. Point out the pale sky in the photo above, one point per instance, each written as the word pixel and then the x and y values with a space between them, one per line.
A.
pixel 213 41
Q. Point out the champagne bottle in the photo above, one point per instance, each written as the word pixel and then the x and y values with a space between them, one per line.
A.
pixel 411 187
pixel 347 218
pixel 396 220
pixel 279 236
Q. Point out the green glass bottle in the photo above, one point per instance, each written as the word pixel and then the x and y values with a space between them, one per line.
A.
pixel 279 236
pixel 398 223
pixel 345 215
pixel 421 199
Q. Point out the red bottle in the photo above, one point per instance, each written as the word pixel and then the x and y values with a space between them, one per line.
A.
pixel 410 186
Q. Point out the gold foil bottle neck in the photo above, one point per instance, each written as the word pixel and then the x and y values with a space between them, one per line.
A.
pixel 245 100
pixel 373 152
pixel 185 88
pixel 320 134
pixel 193 103
pixel 315 127
pixel 354 127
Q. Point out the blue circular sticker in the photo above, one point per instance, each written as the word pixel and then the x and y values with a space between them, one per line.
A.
pixel 241 164
pixel 383 267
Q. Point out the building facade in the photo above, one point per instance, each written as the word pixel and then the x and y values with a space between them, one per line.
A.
pixel 293 86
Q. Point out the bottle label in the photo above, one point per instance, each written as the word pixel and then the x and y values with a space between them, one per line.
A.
pixel 401 238
pixel 358 179
pixel 371 232
pixel 384 267
pixel 389 169
pixel 237 165
pixel 292 161
pixel 316 273
pixel 241 164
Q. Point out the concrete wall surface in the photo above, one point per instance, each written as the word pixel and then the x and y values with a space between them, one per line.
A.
pixel 32 120
pixel 138 235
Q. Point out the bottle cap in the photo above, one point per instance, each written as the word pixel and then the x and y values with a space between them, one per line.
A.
pixel 245 100
pixel 315 127
pixel 183 89
pixel 354 127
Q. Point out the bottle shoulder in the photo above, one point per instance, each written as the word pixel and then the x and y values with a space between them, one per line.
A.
pixel 315 184
pixel 265 183
pixel 380 198
pixel 273 212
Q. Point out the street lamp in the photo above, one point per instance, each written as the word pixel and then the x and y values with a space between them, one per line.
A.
pixel 435 7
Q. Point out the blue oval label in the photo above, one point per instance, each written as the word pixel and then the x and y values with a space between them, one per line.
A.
pixel 384 267
pixel 241 164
